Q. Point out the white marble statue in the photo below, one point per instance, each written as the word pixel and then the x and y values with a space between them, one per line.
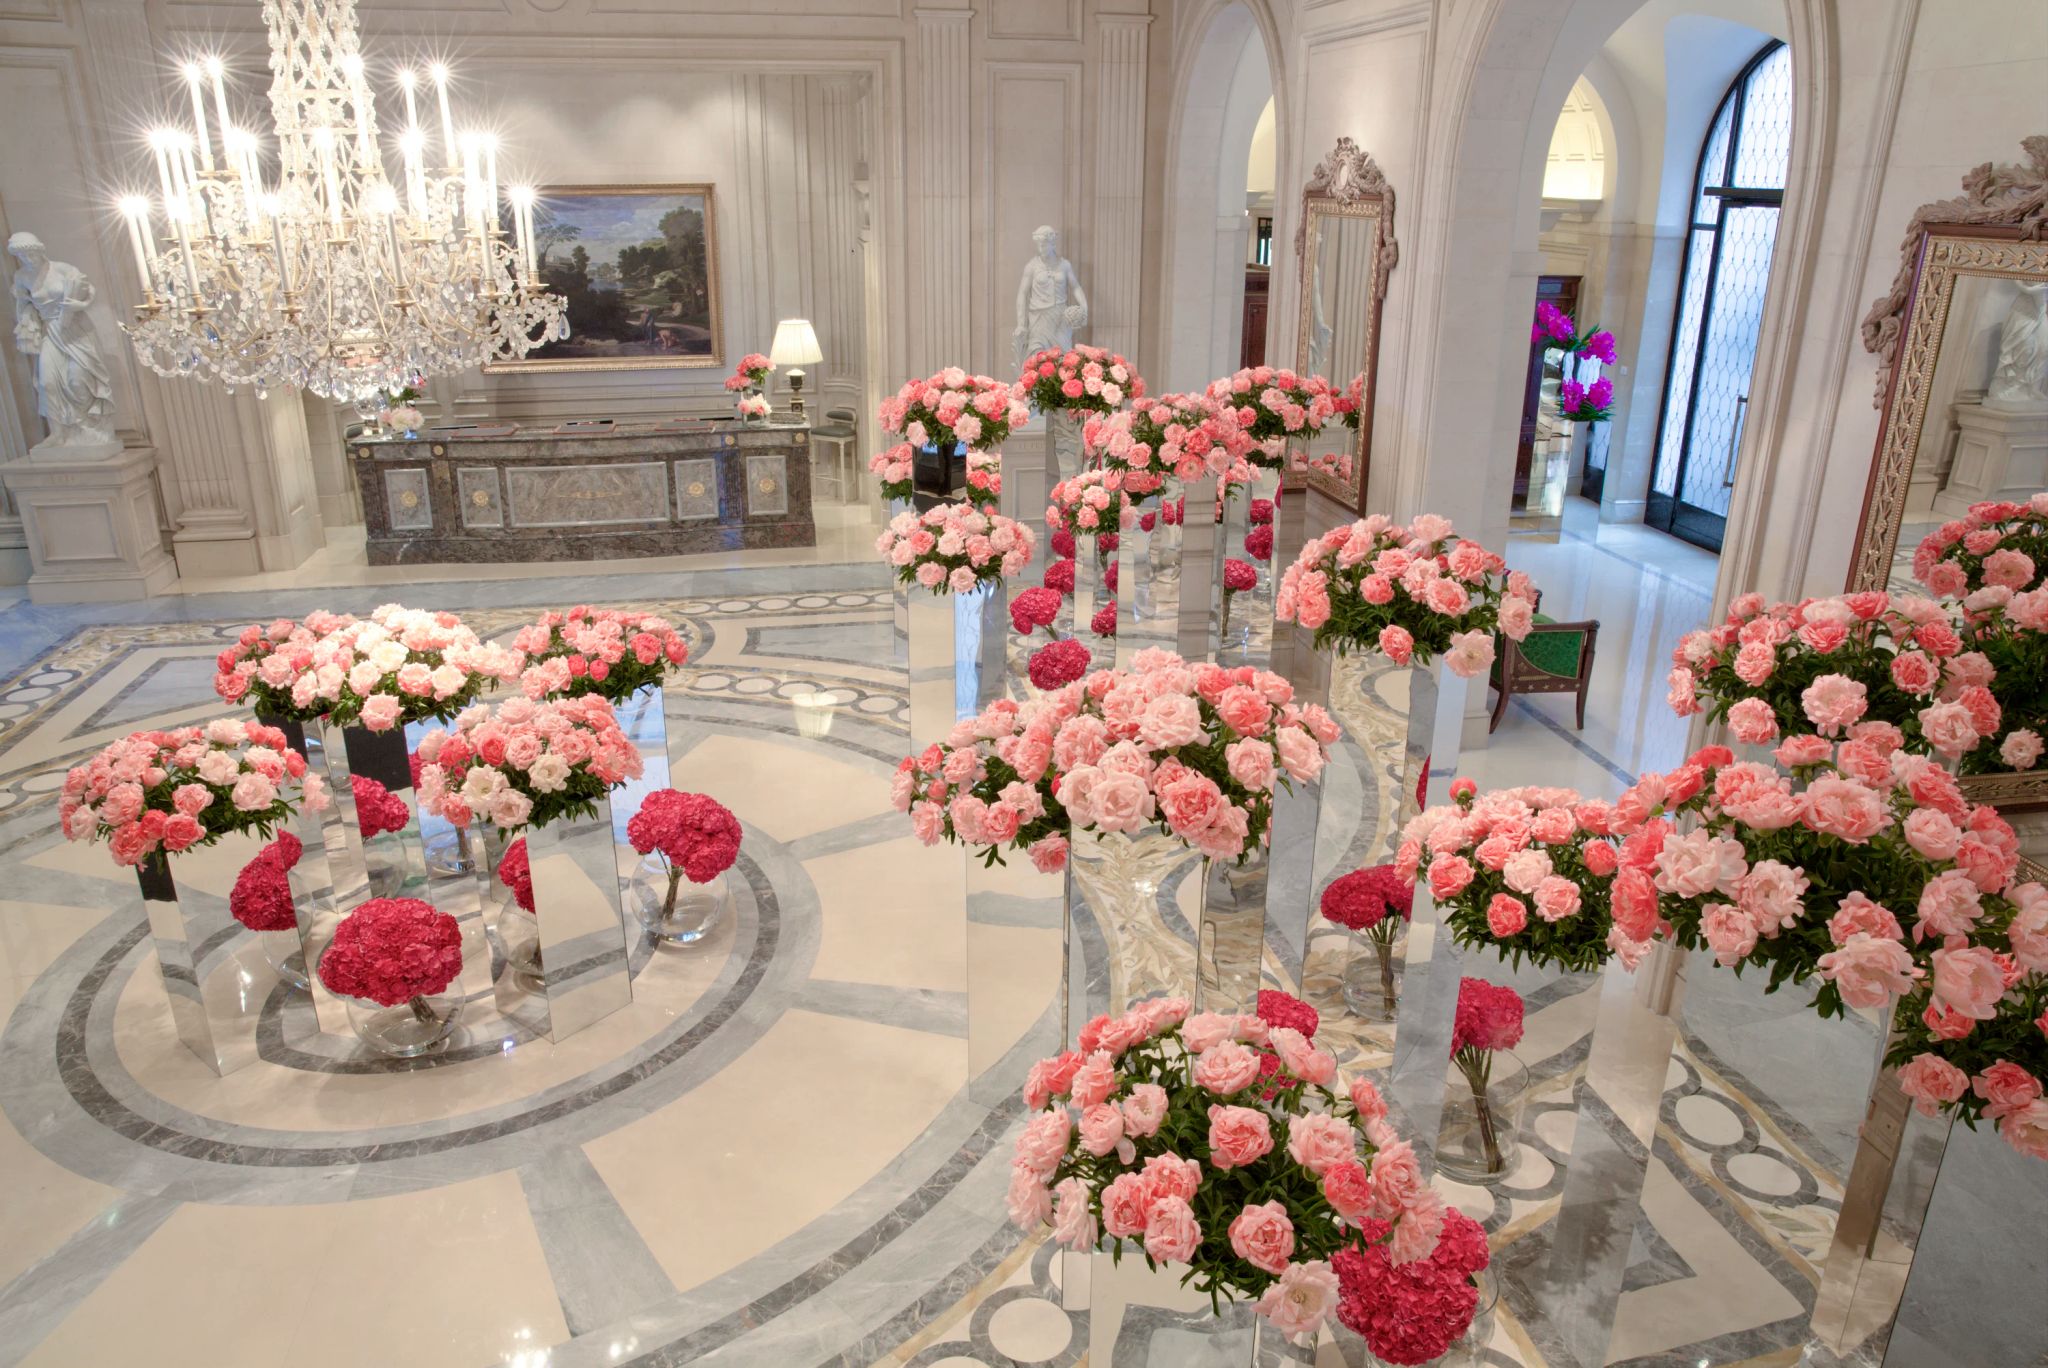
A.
pixel 1050 300
pixel 74 389
pixel 2021 379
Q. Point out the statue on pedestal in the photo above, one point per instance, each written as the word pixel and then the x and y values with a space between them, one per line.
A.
pixel 2021 378
pixel 1050 300
pixel 74 389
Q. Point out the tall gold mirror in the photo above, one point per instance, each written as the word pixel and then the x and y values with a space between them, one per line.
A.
pixel 1962 341
pixel 1345 247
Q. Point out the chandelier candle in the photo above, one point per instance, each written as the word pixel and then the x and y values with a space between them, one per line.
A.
pixel 194 77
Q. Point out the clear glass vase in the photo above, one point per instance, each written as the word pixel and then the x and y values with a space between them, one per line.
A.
pixel 284 952
pixel 387 860
pixel 674 909
pixel 1479 1139
pixel 519 934
pixel 1372 975
pixel 408 1029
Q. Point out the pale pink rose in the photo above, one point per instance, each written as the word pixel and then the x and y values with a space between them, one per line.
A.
pixel 1043 1142
pixel 1471 654
pixel 1525 869
pixel 1172 1235
pixel 1869 969
pixel 1415 1234
pixel 1396 643
pixel 1205 1030
pixel 1029 1202
pixel 1238 1136
pixel 1845 808
pixel 1300 756
pixel 2005 1088
pixel 2026 1129
pixel 1126 1205
pixel 1858 913
pixel 1251 764
pixel 1772 895
pixel 1506 915
pixel 2021 749
pixel 1170 721
pixel 1752 722
pixel 1755 662
pixel 1730 933
pixel 1048 854
pixel 1121 802
pixel 1949 728
pixel 1074 1223
pixel 1318 1142
pixel 253 793
pixel 1932 834
pixel 1263 1236
pixel 1094 1081
pixel 2028 930
pixel 1950 905
pixel 1699 863
pixel 1366 1099
pixel 1226 1068
pixel 1050 1078
pixel 1517 616
pixel 1797 751
pixel 1832 702
pixel 1301 1301
pixel 1169 1175
pixel 380 712
pixel 1144 1109
pixel 1931 1081
pixel 1556 898
pixel 1102 1129
pixel 1968 981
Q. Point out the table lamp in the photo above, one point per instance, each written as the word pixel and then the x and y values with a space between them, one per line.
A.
pixel 795 346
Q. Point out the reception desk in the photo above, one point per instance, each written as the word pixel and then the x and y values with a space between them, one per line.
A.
pixel 585 491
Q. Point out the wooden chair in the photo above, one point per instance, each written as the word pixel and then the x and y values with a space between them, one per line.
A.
pixel 1556 657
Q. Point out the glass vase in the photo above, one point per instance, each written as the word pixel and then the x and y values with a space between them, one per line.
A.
pixel 388 862
pixel 284 952
pixel 1479 1138
pixel 674 909
pixel 405 1030
pixel 1372 975
pixel 519 935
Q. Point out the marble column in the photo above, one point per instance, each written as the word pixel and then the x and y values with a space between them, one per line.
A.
pixel 939 146
pixel 1119 229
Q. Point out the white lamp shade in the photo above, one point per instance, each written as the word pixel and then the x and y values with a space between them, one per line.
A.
pixel 796 343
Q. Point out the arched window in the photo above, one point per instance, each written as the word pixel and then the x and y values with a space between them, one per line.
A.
pixel 1736 194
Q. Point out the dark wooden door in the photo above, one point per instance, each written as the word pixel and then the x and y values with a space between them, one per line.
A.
pixel 1257 294
pixel 1563 293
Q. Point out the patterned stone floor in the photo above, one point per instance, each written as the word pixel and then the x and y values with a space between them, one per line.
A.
pixel 773 1157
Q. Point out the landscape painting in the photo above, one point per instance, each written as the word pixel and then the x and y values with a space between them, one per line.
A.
pixel 638 266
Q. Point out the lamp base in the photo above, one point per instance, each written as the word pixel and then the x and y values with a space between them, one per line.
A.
pixel 796 395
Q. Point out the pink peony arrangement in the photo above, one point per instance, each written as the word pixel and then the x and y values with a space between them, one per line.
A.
pixel 695 835
pixel 525 763
pixel 399 666
pixel 1090 504
pixel 1532 872
pixel 1275 407
pixel 750 374
pixel 1185 436
pixel 1195 748
pixel 895 471
pixel 265 663
pixel 1998 544
pixel 952 406
pixel 1058 664
pixel 379 811
pixel 1167 1138
pixel 2010 631
pixel 1827 664
pixel 604 651
pixel 261 899
pixel 160 792
pixel 985 479
pixel 393 950
pixel 1409 593
pixel 1082 379
pixel 955 547
pixel 1410 1313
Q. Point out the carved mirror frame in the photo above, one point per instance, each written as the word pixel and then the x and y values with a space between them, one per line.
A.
pixel 1347 184
pixel 1994 228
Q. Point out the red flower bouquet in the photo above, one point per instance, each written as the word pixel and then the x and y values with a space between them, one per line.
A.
pixel 603 651
pixel 1035 608
pixel 696 837
pixel 1059 576
pixel 1058 664
pixel 1103 624
pixel 1412 1312
pixel 1489 1019
pixel 1362 901
pixel 516 872
pixel 262 896
pixel 393 950
pixel 378 810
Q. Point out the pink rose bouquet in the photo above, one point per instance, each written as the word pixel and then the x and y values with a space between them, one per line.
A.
pixel 1410 593
pixel 1531 872
pixel 393 950
pixel 265 662
pixel 154 793
pixel 525 763
pixel 399 666
pixel 985 479
pixel 604 651
pixel 1273 407
pixel 953 406
pixel 751 373
pixel 2009 632
pixel 1826 664
pixel 1489 1019
pixel 1168 1140
pixel 2003 544
pixel 955 547
pixel 1091 504
pixel 1083 379
pixel 697 837
pixel 1186 436
pixel 895 471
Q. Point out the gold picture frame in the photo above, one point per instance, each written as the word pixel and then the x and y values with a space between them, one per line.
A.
pixel 616 296
pixel 1347 187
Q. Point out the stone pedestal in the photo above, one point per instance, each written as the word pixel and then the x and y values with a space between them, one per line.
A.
pixel 91 528
pixel 2001 453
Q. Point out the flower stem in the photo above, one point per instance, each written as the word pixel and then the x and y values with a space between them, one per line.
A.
pixel 1477 1066
pixel 675 881
pixel 422 1010
pixel 1384 948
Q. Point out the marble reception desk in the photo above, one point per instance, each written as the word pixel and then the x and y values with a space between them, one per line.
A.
pixel 499 492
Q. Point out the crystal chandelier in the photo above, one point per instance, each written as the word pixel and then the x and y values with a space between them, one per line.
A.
pixel 337 278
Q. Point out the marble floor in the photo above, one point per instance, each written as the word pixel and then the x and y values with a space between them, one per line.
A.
pixel 773 1157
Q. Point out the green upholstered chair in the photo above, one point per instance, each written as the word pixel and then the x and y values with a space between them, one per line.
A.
pixel 1556 657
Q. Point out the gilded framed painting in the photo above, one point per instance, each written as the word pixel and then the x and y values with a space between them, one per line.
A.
pixel 638 265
